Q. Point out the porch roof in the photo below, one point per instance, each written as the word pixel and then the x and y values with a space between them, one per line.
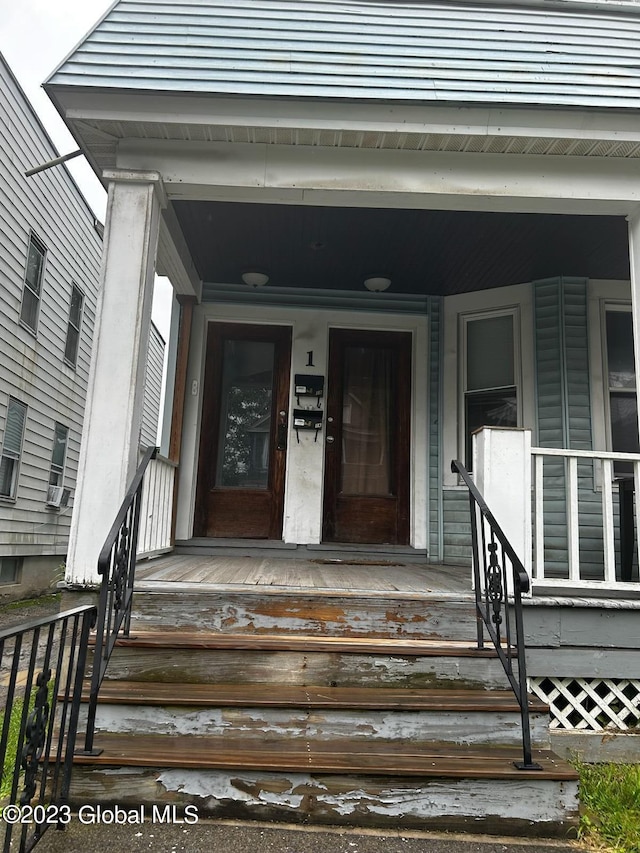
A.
pixel 366 50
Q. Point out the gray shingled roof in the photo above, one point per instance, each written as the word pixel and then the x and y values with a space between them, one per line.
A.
pixel 411 51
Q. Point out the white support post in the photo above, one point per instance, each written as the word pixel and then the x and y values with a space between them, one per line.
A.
pixel 573 521
pixel 607 521
pixel 502 472
pixel 113 414
pixel 538 568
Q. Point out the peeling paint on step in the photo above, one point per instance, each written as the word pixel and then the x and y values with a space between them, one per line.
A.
pixel 255 789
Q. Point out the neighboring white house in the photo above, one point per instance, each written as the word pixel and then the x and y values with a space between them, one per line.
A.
pixel 50 252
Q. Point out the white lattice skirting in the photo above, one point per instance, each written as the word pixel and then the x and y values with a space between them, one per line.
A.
pixel 590 704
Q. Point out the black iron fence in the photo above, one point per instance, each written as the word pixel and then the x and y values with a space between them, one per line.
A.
pixel 116 566
pixel 500 581
pixel 42 666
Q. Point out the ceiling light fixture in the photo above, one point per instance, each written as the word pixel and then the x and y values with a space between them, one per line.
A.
pixel 254 278
pixel 377 283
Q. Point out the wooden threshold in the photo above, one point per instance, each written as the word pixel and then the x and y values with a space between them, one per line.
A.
pixel 286 754
pixel 293 696
pixel 404 646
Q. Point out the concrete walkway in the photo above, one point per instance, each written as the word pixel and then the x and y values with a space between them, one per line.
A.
pixel 208 836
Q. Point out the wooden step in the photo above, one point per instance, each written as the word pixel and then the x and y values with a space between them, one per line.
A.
pixel 403 646
pixel 293 696
pixel 261 609
pixel 296 755
pixel 303 660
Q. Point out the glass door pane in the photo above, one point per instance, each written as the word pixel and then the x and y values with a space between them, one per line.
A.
pixel 366 433
pixel 245 414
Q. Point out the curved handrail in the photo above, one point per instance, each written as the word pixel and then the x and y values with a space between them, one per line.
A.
pixel 493 606
pixel 116 566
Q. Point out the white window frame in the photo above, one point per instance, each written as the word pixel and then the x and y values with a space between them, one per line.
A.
pixel 27 288
pixel 464 321
pixel 15 457
pixel 609 306
pixel 57 472
pixel 71 325
pixel 517 298
pixel 602 294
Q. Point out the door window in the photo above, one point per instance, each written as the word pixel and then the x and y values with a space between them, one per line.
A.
pixel 366 409
pixel 245 414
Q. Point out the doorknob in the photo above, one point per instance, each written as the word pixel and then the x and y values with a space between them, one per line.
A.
pixel 330 439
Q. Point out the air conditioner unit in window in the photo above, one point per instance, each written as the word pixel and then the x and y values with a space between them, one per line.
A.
pixel 57 496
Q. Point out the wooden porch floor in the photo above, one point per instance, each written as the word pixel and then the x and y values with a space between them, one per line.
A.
pixel 284 574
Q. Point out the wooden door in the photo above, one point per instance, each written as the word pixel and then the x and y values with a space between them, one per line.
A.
pixel 243 439
pixel 367 438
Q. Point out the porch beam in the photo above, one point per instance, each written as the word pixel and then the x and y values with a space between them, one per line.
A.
pixel 113 414
pixel 414 179
pixel 174 258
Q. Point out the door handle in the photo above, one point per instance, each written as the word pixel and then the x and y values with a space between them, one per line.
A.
pixel 281 437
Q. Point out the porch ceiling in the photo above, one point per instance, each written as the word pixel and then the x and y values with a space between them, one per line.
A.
pixel 422 251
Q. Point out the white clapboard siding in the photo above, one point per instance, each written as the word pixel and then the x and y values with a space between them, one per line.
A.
pixel 156 509
pixel 32 369
pixel 152 389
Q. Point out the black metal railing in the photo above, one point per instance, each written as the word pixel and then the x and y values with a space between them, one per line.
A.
pixel 500 580
pixel 43 667
pixel 117 567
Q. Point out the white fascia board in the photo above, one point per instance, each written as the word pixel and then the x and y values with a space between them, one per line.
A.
pixel 214 170
pixel 361 116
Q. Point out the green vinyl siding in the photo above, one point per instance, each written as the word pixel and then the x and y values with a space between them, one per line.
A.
pixel 435 533
pixel 457 527
pixel 563 409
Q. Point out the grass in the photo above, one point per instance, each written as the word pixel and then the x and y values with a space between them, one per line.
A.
pixel 610 798
pixel 14 730
pixel 40 601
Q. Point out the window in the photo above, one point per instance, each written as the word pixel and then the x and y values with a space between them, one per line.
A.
pixel 73 326
pixel 32 284
pixel 621 381
pixel 12 448
pixel 10 569
pixel 489 374
pixel 58 455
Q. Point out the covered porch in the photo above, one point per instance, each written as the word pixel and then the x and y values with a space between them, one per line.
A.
pixel 499 239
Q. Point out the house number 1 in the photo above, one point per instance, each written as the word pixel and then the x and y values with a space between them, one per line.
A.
pixel 310 359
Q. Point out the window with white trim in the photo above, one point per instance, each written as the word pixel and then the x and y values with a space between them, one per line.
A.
pixel 620 378
pixel 58 455
pixel 490 373
pixel 73 326
pixel 32 284
pixel 12 448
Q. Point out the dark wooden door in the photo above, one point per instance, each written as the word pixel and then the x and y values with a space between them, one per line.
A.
pixel 367 437
pixel 243 439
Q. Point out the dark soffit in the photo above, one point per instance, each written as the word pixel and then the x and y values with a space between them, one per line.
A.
pixel 423 251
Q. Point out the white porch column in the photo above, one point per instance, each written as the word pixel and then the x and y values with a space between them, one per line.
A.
pixel 113 414
pixel 502 473
pixel 634 265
